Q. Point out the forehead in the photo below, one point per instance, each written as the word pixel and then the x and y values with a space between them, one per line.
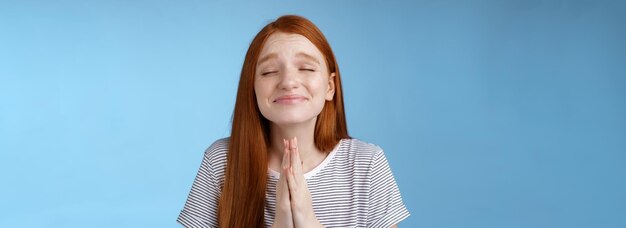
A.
pixel 288 45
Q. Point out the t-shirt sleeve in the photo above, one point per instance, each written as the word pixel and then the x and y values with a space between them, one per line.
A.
pixel 385 203
pixel 200 209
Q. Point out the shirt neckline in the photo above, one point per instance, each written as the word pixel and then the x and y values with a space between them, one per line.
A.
pixel 315 170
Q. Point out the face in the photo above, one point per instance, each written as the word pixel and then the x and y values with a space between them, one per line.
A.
pixel 292 81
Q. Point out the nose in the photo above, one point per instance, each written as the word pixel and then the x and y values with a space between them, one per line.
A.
pixel 289 80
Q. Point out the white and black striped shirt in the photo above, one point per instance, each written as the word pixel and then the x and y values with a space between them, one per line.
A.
pixel 352 187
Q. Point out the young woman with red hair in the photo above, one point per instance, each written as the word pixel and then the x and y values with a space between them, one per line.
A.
pixel 289 161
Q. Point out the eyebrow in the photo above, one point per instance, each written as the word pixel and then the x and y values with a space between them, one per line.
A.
pixel 267 57
pixel 307 56
pixel 299 54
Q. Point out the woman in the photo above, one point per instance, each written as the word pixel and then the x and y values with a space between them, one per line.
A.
pixel 289 161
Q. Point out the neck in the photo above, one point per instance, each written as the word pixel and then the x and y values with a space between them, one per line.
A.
pixel 309 153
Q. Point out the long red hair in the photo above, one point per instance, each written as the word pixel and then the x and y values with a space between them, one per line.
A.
pixel 242 200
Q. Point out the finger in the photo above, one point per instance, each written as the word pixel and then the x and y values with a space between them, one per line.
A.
pixel 292 177
pixel 284 163
pixel 282 181
pixel 296 165
pixel 283 198
pixel 283 188
pixel 282 191
pixel 290 166
pixel 285 155
pixel 296 162
pixel 292 184
pixel 292 145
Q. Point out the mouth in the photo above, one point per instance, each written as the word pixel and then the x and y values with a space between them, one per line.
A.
pixel 290 99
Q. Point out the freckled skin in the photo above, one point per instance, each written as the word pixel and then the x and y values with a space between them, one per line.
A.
pixel 291 72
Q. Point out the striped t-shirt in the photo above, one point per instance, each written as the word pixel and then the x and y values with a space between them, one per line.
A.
pixel 352 187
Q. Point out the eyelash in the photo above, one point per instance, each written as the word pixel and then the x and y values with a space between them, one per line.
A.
pixel 272 72
pixel 266 73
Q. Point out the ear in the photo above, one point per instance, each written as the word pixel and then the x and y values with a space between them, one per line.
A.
pixel 330 93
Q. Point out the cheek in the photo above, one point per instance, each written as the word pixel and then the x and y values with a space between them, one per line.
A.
pixel 260 87
pixel 319 86
pixel 263 90
pixel 258 91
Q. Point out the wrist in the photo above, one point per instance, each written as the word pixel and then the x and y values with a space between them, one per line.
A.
pixel 316 223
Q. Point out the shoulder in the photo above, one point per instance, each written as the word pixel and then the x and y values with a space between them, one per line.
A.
pixel 363 145
pixel 360 151
pixel 217 152
pixel 220 144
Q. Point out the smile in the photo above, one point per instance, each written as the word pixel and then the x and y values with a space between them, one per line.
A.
pixel 290 99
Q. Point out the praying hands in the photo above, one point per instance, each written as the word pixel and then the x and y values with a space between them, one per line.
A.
pixel 294 207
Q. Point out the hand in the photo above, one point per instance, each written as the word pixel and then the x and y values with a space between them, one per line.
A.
pixel 283 217
pixel 300 197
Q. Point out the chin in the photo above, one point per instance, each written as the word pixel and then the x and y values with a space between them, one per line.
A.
pixel 290 120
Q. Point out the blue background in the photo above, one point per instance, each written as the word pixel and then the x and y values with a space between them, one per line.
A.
pixel 492 113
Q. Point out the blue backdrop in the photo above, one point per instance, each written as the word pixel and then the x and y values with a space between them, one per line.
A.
pixel 492 113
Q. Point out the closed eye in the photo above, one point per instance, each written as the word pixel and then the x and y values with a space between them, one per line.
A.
pixel 268 73
pixel 307 69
